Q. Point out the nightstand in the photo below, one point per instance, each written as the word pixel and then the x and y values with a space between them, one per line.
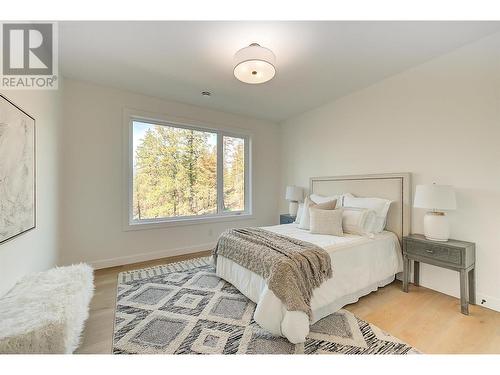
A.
pixel 286 219
pixel 455 255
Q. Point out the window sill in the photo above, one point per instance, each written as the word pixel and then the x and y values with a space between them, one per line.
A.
pixel 185 221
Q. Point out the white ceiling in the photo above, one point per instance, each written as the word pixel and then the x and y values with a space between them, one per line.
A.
pixel 316 61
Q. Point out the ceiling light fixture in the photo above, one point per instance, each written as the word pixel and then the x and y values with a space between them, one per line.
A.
pixel 206 93
pixel 254 64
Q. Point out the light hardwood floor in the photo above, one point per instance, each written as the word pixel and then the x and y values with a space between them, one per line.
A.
pixel 425 319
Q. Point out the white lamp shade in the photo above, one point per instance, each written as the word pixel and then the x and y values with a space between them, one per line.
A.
pixel 435 197
pixel 294 193
pixel 254 64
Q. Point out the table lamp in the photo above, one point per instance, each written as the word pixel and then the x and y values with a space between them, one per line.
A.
pixel 294 194
pixel 437 199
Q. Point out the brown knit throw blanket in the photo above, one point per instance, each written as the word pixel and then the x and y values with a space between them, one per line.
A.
pixel 291 268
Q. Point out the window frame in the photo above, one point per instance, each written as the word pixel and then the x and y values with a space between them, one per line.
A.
pixel 157 119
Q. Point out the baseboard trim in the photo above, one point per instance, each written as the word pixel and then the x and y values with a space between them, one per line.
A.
pixel 492 303
pixel 143 257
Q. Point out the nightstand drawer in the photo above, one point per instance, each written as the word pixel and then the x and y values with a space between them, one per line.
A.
pixel 442 253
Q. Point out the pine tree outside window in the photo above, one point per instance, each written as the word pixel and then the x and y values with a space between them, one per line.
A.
pixel 183 172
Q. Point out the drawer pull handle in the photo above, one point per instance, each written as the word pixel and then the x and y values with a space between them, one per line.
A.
pixel 430 251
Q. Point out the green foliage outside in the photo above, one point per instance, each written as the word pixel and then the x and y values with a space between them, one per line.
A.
pixel 234 174
pixel 175 173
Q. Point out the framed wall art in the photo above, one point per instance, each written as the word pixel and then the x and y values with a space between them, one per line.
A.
pixel 17 171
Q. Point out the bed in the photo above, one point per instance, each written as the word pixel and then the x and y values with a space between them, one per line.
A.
pixel 360 264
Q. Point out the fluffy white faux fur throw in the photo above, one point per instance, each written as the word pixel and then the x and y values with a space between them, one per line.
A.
pixel 45 312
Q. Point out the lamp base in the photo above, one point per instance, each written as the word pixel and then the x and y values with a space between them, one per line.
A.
pixel 436 226
pixel 292 208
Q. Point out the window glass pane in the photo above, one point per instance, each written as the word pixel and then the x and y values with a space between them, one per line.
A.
pixel 234 173
pixel 174 172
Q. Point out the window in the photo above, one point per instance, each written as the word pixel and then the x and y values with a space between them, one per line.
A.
pixel 233 158
pixel 181 172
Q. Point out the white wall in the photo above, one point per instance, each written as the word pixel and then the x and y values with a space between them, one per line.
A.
pixel 93 182
pixel 37 250
pixel 441 122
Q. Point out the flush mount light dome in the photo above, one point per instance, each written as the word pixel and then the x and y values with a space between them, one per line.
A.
pixel 254 64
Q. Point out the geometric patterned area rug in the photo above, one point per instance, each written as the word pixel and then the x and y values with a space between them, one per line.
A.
pixel 184 308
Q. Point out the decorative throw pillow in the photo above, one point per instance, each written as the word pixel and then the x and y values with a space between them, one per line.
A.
pixel 326 222
pixel 379 205
pixel 358 220
pixel 308 203
pixel 316 198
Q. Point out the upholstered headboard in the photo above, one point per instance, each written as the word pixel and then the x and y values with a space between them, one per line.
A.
pixel 393 186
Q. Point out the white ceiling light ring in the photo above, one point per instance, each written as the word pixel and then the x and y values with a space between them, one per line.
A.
pixel 254 60
pixel 254 64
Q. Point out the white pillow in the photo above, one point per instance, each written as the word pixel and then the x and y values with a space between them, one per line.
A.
pixel 299 213
pixel 358 220
pixel 379 205
pixel 326 222
pixel 304 219
pixel 343 197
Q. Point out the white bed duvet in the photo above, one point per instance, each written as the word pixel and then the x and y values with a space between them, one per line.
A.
pixel 360 266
